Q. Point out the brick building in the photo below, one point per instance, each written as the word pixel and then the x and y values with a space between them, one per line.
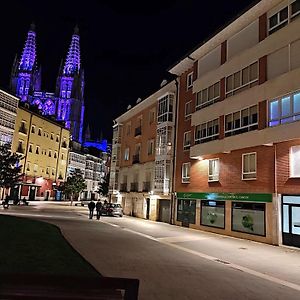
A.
pixel 238 138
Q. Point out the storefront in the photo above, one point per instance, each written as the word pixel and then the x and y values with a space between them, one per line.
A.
pixel 236 214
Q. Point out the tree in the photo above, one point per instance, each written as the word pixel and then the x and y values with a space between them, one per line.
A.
pixel 10 168
pixel 104 186
pixel 75 184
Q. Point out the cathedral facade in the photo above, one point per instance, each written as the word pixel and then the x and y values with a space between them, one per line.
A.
pixel 66 103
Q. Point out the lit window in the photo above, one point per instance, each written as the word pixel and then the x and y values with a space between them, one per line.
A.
pixel 295 161
pixel 249 166
pixel 213 169
pixel 126 154
pixel 185 174
pixel 207 132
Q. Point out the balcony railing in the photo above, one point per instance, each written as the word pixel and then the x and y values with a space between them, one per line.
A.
pixel 146 186
pixel 135 158
pixel 138 131
pixel 134 187
pixel 123 187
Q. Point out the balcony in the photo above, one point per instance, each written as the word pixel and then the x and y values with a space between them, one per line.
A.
pixel 138 131
pixel 146 186
pixel 123 187
pixel 134 187
pixel 136 158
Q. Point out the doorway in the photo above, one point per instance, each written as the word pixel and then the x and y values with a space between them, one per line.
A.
pixel 147 208
pixel 291 220
pixel 32 190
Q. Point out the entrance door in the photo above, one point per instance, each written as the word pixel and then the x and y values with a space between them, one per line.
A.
pixel 147 208
pixel 164 211
pixel 32 193
pixel 291 220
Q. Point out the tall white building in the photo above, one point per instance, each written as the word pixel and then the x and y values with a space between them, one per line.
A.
pixel 8 114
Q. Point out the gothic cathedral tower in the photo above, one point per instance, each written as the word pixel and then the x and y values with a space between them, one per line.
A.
pixel 25 76
pixel 70 90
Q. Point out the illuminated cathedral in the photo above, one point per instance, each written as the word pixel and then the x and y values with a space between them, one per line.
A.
pixel 67 102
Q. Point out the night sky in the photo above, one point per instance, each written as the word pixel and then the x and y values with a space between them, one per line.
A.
pixel 126 47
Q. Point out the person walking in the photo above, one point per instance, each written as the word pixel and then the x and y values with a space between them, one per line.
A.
pixel 98 209
pixel 91 207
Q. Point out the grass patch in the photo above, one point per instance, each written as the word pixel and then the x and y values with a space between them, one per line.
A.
pixel 34 247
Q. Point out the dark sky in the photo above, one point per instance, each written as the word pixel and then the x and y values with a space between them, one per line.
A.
pixel 126 46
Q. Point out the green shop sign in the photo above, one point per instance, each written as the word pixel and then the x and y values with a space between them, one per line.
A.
pixel 226 196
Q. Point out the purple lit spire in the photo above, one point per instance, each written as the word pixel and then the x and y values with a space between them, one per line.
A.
pixel 72 64
pixel 29 52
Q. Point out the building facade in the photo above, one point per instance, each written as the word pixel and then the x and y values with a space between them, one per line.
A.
pixel 238 141
pixel 8 114
pixel 94 167
pixel 44 145
pixel 67 102
pixel 142 157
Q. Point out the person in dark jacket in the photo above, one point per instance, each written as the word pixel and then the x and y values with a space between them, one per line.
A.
pixel 98 209
pixel 91 207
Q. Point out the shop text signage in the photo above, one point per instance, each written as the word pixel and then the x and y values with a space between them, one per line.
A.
pixel 226 196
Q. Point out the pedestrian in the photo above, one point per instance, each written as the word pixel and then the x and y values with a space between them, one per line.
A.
pixel 91 207
pixel 98 209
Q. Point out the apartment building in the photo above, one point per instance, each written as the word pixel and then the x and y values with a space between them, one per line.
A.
pixel 44 145
pixel 93 167
pixel 8 114
pixel 142 156
pixel 238 141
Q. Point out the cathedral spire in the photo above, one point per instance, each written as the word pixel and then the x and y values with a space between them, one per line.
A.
pixel 29 52
pixel 72 63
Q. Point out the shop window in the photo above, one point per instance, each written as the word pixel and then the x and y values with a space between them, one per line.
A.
pixel 249 166
pixel 213 213
pixel 186 172
pixel 186 211
pixel 213 169
pixel 248 217
pixel 295 161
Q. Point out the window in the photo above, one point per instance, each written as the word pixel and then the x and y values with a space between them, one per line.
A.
pixel 22 128
pixel 165 109
pixel 208 96
pixel 241 121
pixel 249 166
pixel 28 167
pixel 40 132
pixel 30 148
pixel 213 213
pixel 35 168
pixel 51 136
pixel 295 161
pixel 32 129
pixel 284 110
pixel 126 154
pixel 55 154
pixel 186 211
pixel 241 80
pixel 50 153
pixel 207 132
pixel 284 16
pixel 150 147
pixel 37 150
pixel 57 138
pixel 248 217
pixel 47 170
pixel 213 169
pixel 53 171
pixel 187 140
pixel 185 175
pixel 20 148
pixel 151 116
pixel 189 81
pixel 188 110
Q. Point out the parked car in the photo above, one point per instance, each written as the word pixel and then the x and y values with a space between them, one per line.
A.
pixel 112 209
pixel 81 202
